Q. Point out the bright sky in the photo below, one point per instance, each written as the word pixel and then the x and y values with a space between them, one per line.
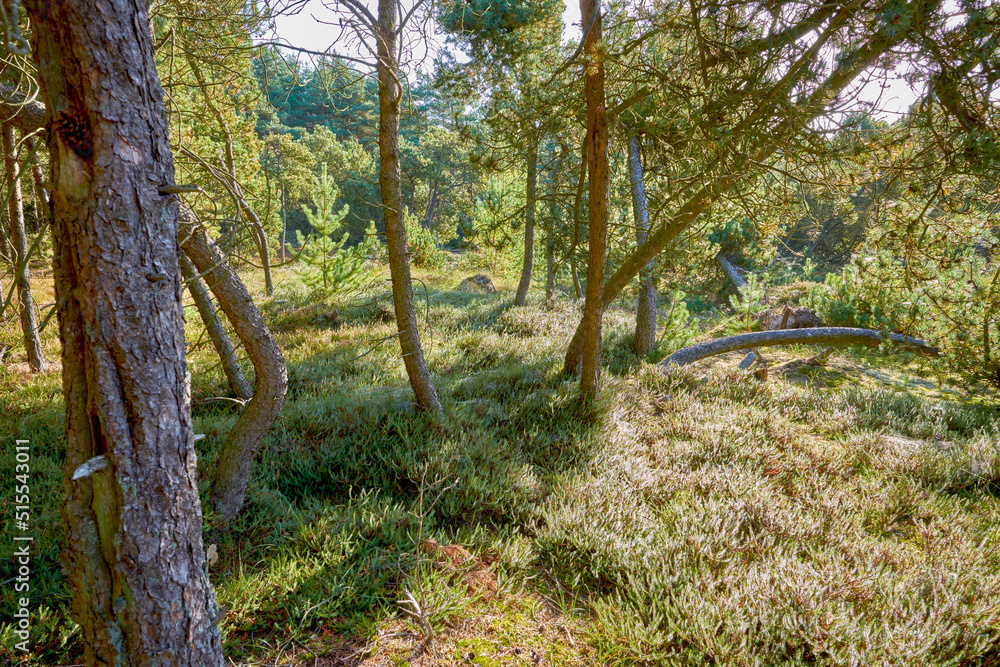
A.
pixel 316 28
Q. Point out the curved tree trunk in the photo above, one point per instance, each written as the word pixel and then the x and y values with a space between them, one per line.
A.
pixel 814 336
pixel 597 165
pixel 19 243
pixel 389 93
pixel 133 553
pixel 645 316
pixel 529 223
pixel 232 474
pixel 216 332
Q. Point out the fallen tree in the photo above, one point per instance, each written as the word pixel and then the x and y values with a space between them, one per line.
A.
pixel 816 336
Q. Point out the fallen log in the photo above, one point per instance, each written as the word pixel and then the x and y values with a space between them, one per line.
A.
pixel 816 336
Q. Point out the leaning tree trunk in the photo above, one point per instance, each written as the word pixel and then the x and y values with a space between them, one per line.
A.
pixel 645 317
pixel 216 332
pixel 133 552
pixel 529 223
pixel 232 473
pixel 389 93
pixel 19 241
pixel 597 165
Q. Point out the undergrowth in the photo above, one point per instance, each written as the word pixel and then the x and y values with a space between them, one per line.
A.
pixel 685 519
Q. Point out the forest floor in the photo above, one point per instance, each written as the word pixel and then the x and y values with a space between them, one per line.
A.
pixel 844 514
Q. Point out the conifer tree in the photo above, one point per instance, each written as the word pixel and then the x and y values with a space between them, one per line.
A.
pixel 330 266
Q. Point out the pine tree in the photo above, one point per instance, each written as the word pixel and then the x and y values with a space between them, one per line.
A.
pixel 329 266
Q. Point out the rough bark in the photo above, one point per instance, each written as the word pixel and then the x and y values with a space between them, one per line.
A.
pixel 19 244
pixel 389 93
pixel 133 554
pixel 236 460
pixel 817 336
pixel 645 316
pixel 529 223
pixel 216 332
pixel 597 167
pixel 733 170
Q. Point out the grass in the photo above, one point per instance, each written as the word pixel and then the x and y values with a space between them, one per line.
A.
pixel 693 516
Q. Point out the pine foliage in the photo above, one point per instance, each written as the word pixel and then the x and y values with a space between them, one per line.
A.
pixel 329 267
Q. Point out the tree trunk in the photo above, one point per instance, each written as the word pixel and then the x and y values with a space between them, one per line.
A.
pixel 550 235
pixel 134 555
pixel 41 193
pixel 550 267
pixel 645 317
pixel 389 93
pixel 577 203
pixel 216 332
pixel 19 243
pixel 597 166
pixel 284 215
pixel 814 336
pixel 529 223
pixel 431 201
pixel 232 474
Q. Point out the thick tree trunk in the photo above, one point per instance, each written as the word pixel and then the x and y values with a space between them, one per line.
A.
pixel 389 93
pixel 232 474
pixel 597 166
pixel 529 223
pixel 134 554
pixel 19 243
pixel 216 332
pixel 645 316
pixel 814 336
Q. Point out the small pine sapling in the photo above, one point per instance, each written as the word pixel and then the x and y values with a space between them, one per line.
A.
pixel 329 266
